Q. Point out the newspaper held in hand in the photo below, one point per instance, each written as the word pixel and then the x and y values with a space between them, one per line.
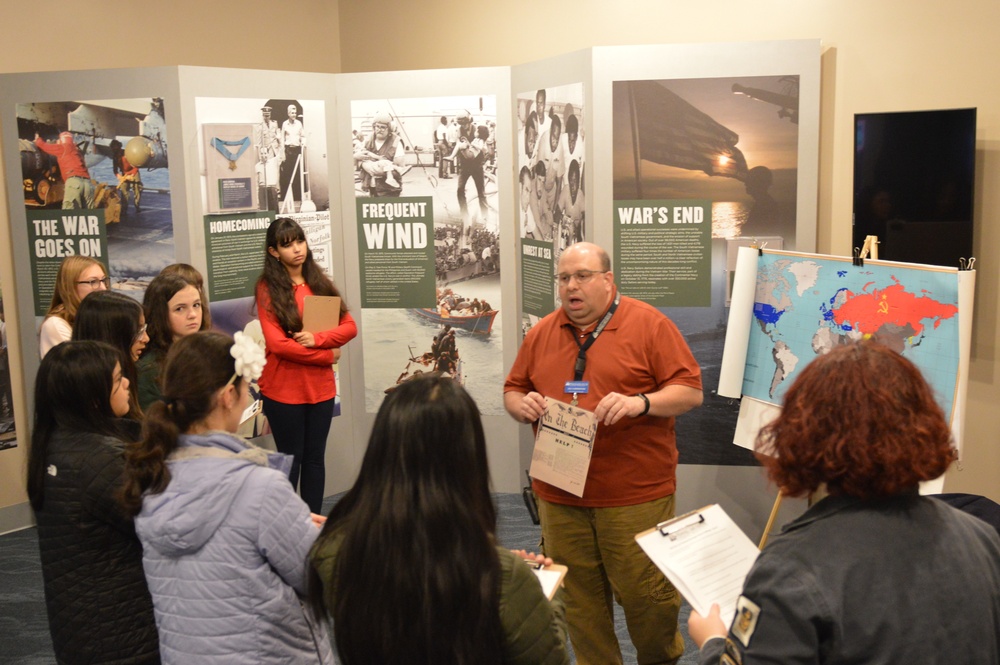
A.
pixel 563 445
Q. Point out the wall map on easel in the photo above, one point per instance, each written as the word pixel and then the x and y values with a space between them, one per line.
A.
pixel 790 308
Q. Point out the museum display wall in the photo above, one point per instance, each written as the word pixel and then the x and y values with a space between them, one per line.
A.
pixel 858 75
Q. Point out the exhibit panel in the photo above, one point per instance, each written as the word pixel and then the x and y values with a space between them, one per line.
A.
pixel 95 122
pixel 552 202
pixel 425 234
pixel 561 86
pixel 276 128
pixel 697 147
pixel 789 308
pixel 86 155
pixel 428 232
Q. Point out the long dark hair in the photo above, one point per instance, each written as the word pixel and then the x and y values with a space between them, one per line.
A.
pixel 282 232
pixel 416 578
pixel 197 366
pixel 156 304
pixel 113 318
pixel 72 391
pixel 191 274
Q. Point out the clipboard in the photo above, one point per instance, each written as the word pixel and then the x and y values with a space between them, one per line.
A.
pixel 251 411
pixel 705 555
pixel 550 577
pixel 320 313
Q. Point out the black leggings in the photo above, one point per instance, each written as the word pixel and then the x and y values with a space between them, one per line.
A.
pixel 300 430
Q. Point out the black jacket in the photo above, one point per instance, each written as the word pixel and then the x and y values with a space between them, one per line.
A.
pixel 99 608
pixel 905 579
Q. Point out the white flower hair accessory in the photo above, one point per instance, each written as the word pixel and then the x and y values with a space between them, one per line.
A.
pixel 249 357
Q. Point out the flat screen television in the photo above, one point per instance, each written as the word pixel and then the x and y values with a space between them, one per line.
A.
pixel 914 180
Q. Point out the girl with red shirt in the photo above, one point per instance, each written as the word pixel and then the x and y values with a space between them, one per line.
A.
pixel 298 385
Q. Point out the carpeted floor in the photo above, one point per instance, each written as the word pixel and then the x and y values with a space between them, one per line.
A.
pixel 24 634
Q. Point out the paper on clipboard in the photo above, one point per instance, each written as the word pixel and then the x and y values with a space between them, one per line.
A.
pixel 320 313
pixel 564 443
pixel 550 577
pixel 705 555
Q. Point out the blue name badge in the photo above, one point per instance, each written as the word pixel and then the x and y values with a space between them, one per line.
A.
pixel 577 387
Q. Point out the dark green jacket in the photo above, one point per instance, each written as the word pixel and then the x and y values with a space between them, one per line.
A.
pixel 148 370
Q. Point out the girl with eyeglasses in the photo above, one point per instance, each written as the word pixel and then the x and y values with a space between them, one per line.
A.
pixel 78 276
pixel 298 385
pixel 115 319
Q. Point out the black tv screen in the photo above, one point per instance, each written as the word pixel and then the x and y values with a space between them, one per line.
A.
pixel 914 176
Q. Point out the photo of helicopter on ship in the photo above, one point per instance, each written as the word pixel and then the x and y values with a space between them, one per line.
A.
pixel 109 155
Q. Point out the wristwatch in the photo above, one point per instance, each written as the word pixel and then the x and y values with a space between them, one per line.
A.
pixel 646 400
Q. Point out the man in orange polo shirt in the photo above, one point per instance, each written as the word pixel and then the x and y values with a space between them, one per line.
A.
pixel 638 374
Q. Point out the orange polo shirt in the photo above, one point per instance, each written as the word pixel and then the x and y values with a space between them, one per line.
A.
pixel 639 351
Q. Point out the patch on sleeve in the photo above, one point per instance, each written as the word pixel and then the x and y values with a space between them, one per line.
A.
pixel 747 613
pixel 732 654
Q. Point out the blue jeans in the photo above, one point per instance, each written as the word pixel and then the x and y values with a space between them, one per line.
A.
pixel 300 430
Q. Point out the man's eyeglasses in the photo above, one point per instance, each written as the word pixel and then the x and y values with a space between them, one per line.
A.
pixel 96 283
pixel 381 125
pixel 581 276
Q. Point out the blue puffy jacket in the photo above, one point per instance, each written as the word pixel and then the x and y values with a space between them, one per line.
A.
pixel 225 553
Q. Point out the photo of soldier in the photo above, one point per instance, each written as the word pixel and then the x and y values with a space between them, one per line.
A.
pixel 471 153
pixel 267 144
pixel 444 148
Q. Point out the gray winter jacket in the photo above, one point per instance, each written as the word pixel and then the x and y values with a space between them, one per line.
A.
pixel 225 553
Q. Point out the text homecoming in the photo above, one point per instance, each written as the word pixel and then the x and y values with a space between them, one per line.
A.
pixel 244 224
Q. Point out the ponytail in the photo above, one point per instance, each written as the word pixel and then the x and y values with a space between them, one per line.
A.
pixel 196 367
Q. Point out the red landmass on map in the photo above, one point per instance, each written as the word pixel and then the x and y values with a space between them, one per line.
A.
pixel 868 312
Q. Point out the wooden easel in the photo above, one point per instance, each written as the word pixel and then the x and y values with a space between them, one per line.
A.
pixel 869 247
pixel 770 521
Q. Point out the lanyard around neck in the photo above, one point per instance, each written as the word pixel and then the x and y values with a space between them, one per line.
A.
pixel 581 357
